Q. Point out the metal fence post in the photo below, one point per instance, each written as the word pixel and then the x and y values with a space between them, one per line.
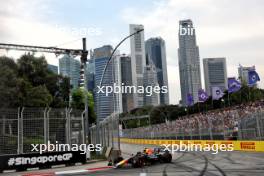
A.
pixel 68 126
pixel 91 133
pixel 83 128
pixel 101 133
pixel 118 132
pixel 94 136
pixel 105 132
pixel 18 132
pixel 112 124
pixel 46 125
pixel 22 130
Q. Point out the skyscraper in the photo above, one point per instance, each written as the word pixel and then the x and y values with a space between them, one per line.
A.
pixel 189 62
pixel 215 74
pixel 90 74
pixel 70 67
pixel 150 82
pixel 138 61
pixel 156 55
pixel 105 104
pixel 126 80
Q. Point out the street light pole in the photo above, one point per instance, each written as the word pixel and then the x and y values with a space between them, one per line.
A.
pixel 83 72
pixel 101 81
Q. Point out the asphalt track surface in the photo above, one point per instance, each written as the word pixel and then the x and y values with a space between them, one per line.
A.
pixel 194 163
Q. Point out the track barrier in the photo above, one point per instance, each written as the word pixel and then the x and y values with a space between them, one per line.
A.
pixel 249 146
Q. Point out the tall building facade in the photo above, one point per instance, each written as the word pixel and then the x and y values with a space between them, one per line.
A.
pixel 156 55
pixel 138 61
pixel 215 74
pixel 150 82
pixel 118 106
pixel 90 74
pixel 106 104
pixel 126 80
pixel 243 73
pixel 189 62
pixel 70 67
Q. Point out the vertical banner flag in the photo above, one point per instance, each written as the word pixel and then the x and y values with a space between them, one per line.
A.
pixel 233 85
pixel 253 77
pixel 189 99
pixel 202 95
pixel 217 93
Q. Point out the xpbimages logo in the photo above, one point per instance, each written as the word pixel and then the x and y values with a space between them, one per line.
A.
pixel 65 147
pixel 190 147
pixel 147 90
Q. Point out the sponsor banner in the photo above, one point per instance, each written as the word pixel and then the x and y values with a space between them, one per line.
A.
pixel 253 146
pixel 33 160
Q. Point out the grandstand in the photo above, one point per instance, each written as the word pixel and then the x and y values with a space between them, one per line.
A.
pixel 244 121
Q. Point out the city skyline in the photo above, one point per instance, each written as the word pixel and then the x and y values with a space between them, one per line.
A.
pixel 237 38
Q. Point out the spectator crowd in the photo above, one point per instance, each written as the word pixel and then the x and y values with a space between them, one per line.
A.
pixel 214 121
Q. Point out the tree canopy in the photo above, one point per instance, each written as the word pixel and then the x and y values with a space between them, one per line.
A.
pixel 78 102
pixel 28 82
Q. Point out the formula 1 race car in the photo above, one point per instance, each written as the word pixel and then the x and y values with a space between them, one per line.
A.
pixel 146 158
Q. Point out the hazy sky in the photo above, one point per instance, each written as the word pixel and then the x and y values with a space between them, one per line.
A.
pixel 226 28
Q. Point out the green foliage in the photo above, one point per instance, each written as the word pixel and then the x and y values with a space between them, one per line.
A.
pixel 38 96
pixel 28 82
pixel 77 99
pixel 78 102
pixel 8 82
pixel 34 69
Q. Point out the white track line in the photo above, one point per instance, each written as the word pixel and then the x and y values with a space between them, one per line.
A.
pixel 71 172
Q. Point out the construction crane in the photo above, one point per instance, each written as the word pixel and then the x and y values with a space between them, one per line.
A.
pixel 58 51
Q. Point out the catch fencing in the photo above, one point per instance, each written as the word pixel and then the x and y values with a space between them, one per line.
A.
pixel 21 127
pixel 108 132
pixel 248 128
pixel 113 128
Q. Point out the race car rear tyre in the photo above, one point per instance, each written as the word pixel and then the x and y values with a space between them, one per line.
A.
pixel 167 157
pixel 138 162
